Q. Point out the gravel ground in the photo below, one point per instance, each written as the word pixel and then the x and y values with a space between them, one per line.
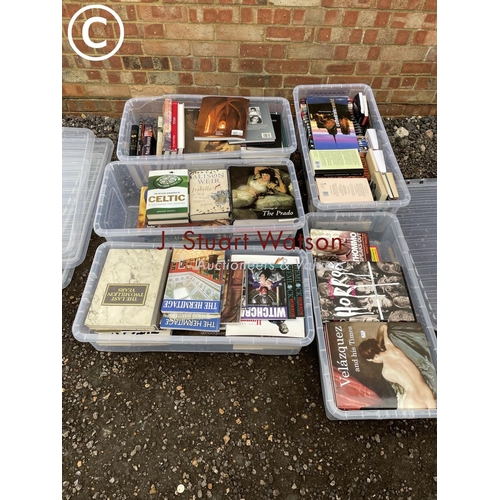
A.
pixel 205 425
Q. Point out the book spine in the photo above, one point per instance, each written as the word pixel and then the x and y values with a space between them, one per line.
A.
pixel 159 136
pixel 304 114
pixel 290 292
pixel 173 141
pixel 167 125
pixel 209 325
pixel 299 292
pixel 140 137
pixel 181 130
pixel 134 134
pixel 147 144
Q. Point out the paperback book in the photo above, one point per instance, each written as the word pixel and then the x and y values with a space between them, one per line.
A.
pixel 279 141
pixel 381 366
pixel 260 126
pixel 336 162
pixel 363 291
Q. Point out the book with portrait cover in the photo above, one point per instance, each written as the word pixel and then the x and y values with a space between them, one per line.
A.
pixel 261 194
pixel 209 196
pixel 331 125
pixel 332 244
pixel 221 118
pixel 362 291
pixel 129 291
pixel 260 125
pixel 378 365
pixel 279 132
pixel 194 284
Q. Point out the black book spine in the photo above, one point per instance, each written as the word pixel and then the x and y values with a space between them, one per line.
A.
pixel 134 134
pixel 299 293
pixel 290 293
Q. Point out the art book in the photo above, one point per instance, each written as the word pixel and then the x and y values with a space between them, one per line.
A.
pixel 336 245
pixel 363 291
pixel 221 118
pixel 129 291
pixel 279 141
pixel 194 284
pixel 207 324
pixel 209 196
pixel 196 146
pixel 330 121
pixel 168 196
pixel 381 366
pixel 343 190
pixel 232 292
pixel 255 327
pixel 336 162
pixel 261 195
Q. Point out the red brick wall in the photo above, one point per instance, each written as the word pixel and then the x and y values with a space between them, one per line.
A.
pixel 253 48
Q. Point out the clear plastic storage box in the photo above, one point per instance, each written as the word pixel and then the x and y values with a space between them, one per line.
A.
pixel 201 343
pixel 350 90
pixel 419 224
pixel 385 232
pixel 151 107
pixel 84 158
pixel 118 205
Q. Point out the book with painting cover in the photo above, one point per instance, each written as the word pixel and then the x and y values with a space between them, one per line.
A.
pixel 265 292
pixel 221 118
pixel 255 327
pixel 380 366
pixel 330 121
pixel 337 245
pixel 261 194
pixel 362 291
pixel 194 284
pixel 196 146
pixel 209 196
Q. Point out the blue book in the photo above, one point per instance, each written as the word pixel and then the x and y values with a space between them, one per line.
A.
pixel 200 324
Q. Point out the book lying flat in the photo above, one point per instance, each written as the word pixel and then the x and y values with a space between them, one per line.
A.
pixel 260 126
pixel 221 118
pixel 343 189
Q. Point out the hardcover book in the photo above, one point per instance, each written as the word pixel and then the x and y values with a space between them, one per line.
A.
pixel 141 217
pixel 261 194
pixel 232 294
pixel 195 146
pixel 207 324
pixel 336 162
pixel 381 366
pixel 260 126
pixel 336 245
pixel 129 291
pixel 194 284
pixel 209 196
pixel 363 291
pixel 222 117
pixel 330 122
pixel 134 137
pixel 168 196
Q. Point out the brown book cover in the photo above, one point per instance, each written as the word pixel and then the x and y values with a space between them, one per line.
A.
pixel 222 117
